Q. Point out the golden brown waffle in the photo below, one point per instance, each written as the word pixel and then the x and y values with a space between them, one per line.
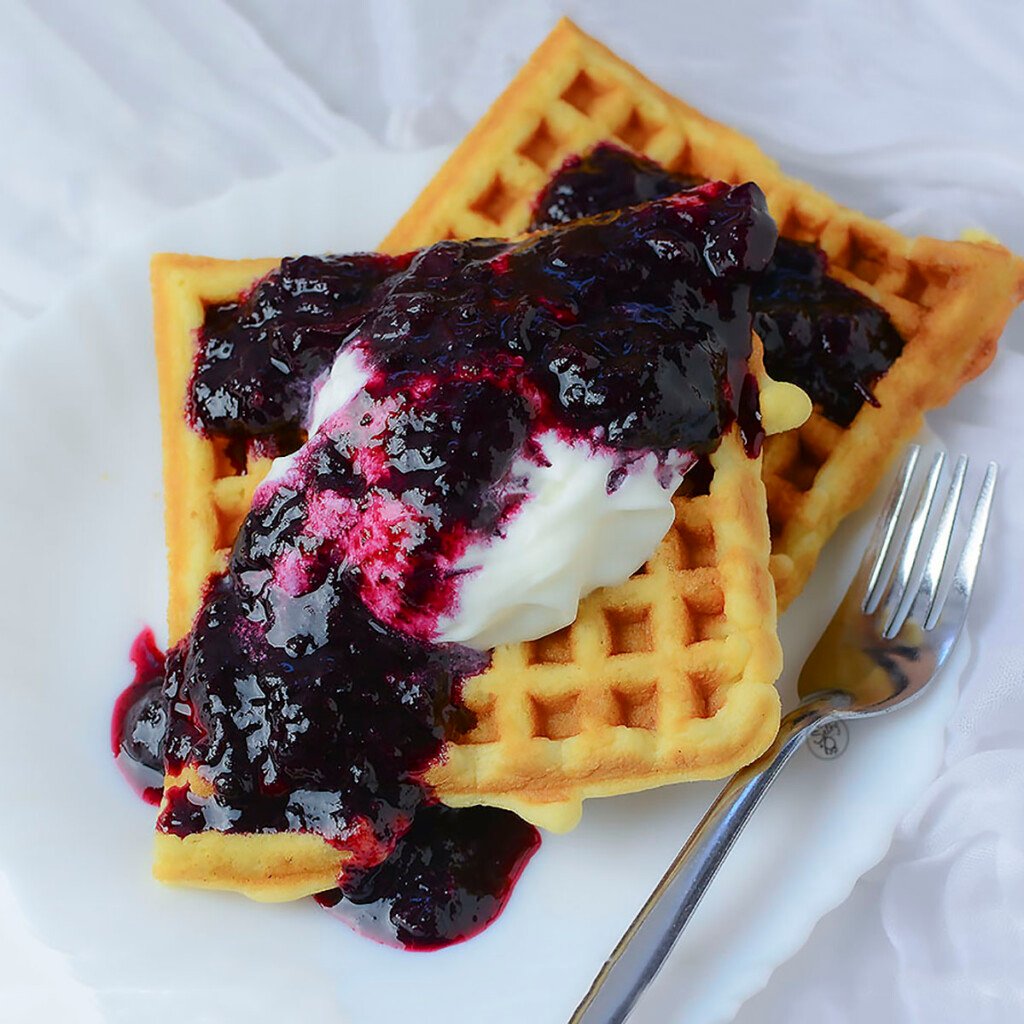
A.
pixel 666 677
pixel 661 679
pixel 205 496
pixel 949 300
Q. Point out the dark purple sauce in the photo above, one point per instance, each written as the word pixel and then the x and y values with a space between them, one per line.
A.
pixel 606 178
pixel 818 333
pixel 258 359
pixel 259 356
pixel 306 713
pixel 449 877
pixel 309 693
pixel 138 725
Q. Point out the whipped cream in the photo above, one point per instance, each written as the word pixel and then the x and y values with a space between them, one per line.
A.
pixel 570 536
pixel 349 374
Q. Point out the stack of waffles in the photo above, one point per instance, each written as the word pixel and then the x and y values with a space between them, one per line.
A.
pixel 670 675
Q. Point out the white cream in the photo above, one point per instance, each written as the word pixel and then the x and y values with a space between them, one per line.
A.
pixel 569 537
pixel 347 378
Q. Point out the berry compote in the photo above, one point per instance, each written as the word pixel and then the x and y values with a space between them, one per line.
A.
pixel 829 339
pixel 259 356
pixel 138 728
pixel 449 876
pixel 311 694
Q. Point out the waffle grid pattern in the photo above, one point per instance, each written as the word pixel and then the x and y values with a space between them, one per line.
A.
pixel 950 300
pixel 661 678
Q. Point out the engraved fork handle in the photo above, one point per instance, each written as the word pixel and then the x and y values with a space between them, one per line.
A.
pixel 647 942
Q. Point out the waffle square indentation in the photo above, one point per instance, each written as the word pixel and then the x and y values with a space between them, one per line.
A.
pixel 921 286
pixel 696 543
pixel 583 93
pixel 636 131
pixel 540 147
pixel 864 257
pixel 554 649
pixel 555 718
pixel 636 708
pixel 629 630
pixel 707 612
pixel 495 201
pixel 229 522
pixel 229 456
pixel 682 162
pixel 485 728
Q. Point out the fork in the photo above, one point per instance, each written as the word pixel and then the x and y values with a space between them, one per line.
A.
pixel 895 627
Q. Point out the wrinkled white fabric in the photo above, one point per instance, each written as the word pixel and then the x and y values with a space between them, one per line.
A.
pixel 112 114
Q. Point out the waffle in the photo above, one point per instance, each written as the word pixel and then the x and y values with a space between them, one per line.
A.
pixel 206 496
pixel 949 300
pixel 666 677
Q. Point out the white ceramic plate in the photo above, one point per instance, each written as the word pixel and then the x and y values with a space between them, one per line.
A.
pixel 84 570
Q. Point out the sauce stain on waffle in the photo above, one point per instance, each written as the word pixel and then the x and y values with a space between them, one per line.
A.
pixel 444 395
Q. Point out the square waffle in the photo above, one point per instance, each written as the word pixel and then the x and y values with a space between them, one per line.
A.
pixel 663 678
pixel 949 300
pixel 666 677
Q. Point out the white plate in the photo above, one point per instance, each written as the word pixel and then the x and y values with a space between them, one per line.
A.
pixel 84 569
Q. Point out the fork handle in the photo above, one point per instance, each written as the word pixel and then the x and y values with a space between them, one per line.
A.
pixel 647 942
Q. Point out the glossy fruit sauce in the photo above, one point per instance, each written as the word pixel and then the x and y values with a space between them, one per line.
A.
pixel 829 339
pixel 310 693
pixel 258 358
pixel 138 728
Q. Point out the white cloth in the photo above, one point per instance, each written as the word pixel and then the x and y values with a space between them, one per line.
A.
pixel 112 114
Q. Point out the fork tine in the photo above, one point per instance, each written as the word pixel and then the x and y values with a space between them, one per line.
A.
pixel 963 579
pixel 928 592
pixel 885 530
pixel 918 604
pixel 911 545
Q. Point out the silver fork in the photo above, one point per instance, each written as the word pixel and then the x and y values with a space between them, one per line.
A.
pixel 896 626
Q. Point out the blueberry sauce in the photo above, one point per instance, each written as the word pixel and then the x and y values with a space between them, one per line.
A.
pixel 305 712
pixel 607 178
pixel 258 357
pixel 818 333
pixel 831 340
pixel 448 878
pixel 139 723
pixel 310 694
